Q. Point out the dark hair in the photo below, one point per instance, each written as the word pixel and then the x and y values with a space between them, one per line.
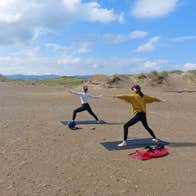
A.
pixel 138 90
pixel 85 88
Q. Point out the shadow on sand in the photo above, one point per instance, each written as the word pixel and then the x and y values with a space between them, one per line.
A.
pixel 182 144
pixel 182 91
pixel 92 122
pixel 140 143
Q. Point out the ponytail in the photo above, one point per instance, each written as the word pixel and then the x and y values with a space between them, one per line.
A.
pixel 138 90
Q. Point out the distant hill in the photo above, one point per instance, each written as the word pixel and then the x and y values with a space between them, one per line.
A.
pixel 39 77
pixel 63 80
pixel 2 78
pixel 31 77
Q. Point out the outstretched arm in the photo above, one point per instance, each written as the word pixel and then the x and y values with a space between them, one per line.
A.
pixel 150 99
pixel 94 97
pixel 74 92
pixel 126 97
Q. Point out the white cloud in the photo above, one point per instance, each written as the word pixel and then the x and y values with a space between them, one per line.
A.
pixel 30 52
pixel 121 18
pixel 95 66
pixel 150 64
pixel 73 49
pixel 84 47
pixel 119 38
pixel 21 64
pixel 184 38
pixel 92 11
pixel 71 6
pixel 189 66
pixel 154 65
pixel 137 34
pixel 153 8
pixel 24 20
pixel 149 45
pixel 66 62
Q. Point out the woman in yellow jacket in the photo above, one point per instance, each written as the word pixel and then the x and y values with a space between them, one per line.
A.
pixel 138 101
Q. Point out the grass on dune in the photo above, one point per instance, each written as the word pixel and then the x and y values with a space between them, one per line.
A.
pixel 65 80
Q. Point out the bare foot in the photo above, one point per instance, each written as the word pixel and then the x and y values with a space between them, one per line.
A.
pixel 123 143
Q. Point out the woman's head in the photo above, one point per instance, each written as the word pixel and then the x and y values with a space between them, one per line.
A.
pixel 137 89
pixel 85 88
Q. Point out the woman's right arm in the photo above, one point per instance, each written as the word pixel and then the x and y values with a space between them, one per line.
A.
pixel 75 93
pixel 126 97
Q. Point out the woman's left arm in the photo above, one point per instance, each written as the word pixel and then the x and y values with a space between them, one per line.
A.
pixel 94 97
pixel 150 99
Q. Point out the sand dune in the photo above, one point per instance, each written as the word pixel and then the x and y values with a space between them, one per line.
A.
pixel 173 80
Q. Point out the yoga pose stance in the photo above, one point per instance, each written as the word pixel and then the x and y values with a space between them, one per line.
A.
pixel 85 106
pixel 138 101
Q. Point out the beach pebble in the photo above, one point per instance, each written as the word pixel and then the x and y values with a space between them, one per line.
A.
pixel 5 126
pixel 124 191
pixel 90 174
pixel 9 174
pixel 23 163
pixel 45 185
pixel 92 128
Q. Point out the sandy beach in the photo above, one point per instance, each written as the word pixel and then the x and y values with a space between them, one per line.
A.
pixel 40 156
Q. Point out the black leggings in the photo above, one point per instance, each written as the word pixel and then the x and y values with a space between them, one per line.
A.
pixel 84 107
pixel 140 116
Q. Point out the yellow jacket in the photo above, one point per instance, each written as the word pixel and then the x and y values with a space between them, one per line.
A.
pixel 138 103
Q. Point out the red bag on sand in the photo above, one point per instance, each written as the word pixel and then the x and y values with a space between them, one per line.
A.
pixel 140 155
pixel 159 153
pixel 155 152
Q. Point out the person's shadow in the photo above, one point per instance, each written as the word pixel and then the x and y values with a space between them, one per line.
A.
pixel 182 144
pixel 91 122
pixel 143 142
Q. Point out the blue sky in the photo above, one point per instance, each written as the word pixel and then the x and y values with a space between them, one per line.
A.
pixel 75 37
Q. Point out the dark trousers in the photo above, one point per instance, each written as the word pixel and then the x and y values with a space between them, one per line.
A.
pixel 140 116
pixel 84 107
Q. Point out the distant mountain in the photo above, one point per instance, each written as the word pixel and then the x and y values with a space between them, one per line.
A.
pixel 39 77
pixel 32 77
pixel 82 76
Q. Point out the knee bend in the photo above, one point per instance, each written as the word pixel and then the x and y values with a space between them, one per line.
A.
pixel 125 127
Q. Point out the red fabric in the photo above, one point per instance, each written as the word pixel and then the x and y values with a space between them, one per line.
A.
pixel 146 155
pixel 159 153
